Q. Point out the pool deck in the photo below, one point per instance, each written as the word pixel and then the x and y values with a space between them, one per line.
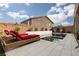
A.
pixel 65 47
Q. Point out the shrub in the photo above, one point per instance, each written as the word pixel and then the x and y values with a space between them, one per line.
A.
pixel 1 33
pixel 17 29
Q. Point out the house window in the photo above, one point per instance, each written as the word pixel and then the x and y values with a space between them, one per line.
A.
pixel 42 29
pixel 36 29
pixel 30 29
pixel 45 29
pixel 58 30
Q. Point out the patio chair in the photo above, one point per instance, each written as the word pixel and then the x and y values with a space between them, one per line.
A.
pixel 20 39
pixel 23 36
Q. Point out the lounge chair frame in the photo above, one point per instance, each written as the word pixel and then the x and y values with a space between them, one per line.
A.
pixel 12 45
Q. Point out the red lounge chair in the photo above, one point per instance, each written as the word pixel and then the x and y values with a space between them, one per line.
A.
pixel 9 44
pixel 23 36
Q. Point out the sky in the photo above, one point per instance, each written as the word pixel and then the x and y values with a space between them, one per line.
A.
pixel 59 13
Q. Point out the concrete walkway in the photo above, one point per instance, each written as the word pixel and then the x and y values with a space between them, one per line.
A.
pixel 65 47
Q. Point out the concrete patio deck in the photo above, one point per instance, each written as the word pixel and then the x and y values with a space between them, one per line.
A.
pixel 65 47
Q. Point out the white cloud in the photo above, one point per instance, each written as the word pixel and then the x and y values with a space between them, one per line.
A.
pixel 71 12
pixel 22 11
pixel 66 23
pixel 59 10
pixel 16 15
pixel 13 14
pixel 62 13
pixel 24 16
pixel 62 16
pixel 71 6
pixel 60 4
pixel 70 9
pixel 28 4
pixel 0 14
pixel 4 5
pixel 55 18
pixel 32 16
pixel 53 9
pixel 59 17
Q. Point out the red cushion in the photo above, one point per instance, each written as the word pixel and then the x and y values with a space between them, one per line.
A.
pixel 17 33
pixel 27 36
pixel 7 32
pixel 24 34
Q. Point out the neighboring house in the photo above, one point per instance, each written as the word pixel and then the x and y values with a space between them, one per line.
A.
pixel 38 23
